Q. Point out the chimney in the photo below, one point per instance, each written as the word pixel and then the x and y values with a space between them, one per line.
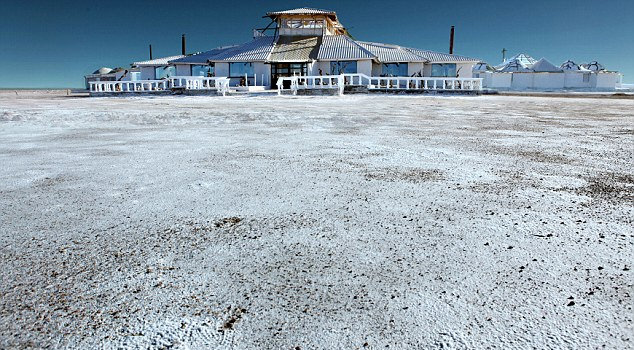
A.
pixel 183 47
pixel 151 51
pixel 453 32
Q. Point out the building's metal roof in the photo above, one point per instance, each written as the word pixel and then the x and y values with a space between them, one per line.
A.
pixel 483 67
pixel 302 11
pixel 594 66
pixel 433 56
pixel 163 61
pixel 258 49
pixel 544 66
pixel 103 70
pixel 202 57
pixel 514 65
pixel 572 66
pixel 391 53
pixel 295 49
pixel 342 47
pixel 525 60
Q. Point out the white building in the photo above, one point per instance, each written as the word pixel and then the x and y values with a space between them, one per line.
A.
pixel 523 72
pixel 305 41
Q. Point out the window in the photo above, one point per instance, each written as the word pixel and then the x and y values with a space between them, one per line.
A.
pixel 395 69
pixel 443 70
pixel 586 77
pixel 239 69
pixel 303 24
pixel 343 67
pixel 313 24
pixel 203 71
pixel 164 72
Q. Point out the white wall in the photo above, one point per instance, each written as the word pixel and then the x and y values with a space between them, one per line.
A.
pixel 521 81
pixel 427 70
pixel 183 70
pixel 376 69
pixel 415 67
pixel 574 80
pixel 501 80
pixel 486 78
pixel 466 70
pixel 548 80
pixel 607 81
pixel 364 67
pixel 147 73
pixel 323 65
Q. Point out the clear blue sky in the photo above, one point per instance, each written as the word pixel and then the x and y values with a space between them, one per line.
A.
pixel 46 43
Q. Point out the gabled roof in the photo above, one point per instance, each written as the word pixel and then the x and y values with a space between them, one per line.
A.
pixel 302 11
pixel 433 56
pixel 544 65
pixel 391 53
pixel 163 61
pixel 202 57
pixel 258 49
pixel 342 47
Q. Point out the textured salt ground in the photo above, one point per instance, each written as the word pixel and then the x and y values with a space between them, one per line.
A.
pixel 354 222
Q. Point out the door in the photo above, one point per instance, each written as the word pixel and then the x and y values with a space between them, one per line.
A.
pixel 279 70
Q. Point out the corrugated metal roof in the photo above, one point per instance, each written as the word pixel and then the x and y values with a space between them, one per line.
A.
pixel 302 11
pixel 391 53
pixel 258 49
pixel 295 49
pixel 163 61
pixel 203 57
pixel 433 56
pixel 341 47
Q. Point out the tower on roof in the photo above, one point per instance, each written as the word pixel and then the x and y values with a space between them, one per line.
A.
pixel 307 22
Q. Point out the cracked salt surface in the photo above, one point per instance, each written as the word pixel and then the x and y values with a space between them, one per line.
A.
pixel 312 223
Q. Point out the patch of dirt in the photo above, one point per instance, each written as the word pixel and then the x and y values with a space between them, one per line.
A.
pixel 533 155
pixel 610 187
pixel 408 175
pixel 227 222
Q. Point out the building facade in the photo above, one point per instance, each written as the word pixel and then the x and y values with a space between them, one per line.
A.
pixel 312 42
pixel 522 72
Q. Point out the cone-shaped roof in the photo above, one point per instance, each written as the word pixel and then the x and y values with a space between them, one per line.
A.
pixel 544 65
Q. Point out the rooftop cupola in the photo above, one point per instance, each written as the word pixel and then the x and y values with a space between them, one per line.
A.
pixel 307 22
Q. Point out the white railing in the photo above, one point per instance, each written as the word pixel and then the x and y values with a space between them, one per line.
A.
pixel 425 83
pixel 219 84
pixel 377 83
pixel 311 82
pixel 129 86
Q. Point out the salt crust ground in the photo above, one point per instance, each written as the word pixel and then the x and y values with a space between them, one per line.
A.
pixel 316 223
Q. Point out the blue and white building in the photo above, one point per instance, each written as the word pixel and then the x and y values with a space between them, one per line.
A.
pixel 308 42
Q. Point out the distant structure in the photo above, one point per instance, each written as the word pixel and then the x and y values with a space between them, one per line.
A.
pixel 305 42
pixel 308 49
pixel 109 74
pixel 523 72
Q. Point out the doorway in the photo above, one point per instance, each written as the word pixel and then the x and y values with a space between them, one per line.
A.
pixel 279 70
